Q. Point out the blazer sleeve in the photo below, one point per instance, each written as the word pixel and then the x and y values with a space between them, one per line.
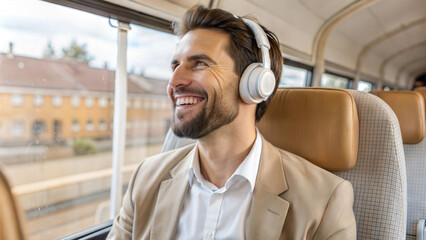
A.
pixel 338 222
pixel 122 227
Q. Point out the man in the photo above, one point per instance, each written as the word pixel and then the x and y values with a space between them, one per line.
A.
pixel 232 184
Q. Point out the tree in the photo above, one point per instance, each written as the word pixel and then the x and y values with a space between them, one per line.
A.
pixel 49 51
pixel 76 51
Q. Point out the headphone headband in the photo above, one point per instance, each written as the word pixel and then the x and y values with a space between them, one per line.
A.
pixel 257 82
pixel 261 40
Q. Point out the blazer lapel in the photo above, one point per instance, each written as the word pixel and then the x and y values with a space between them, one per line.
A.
pixel 170 200
pixel 268 210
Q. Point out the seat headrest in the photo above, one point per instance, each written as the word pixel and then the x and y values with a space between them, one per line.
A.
pixel 318 124
pixel 422 91
pixel 409 108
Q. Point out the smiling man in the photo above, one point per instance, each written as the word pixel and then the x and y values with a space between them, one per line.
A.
pixel 232 184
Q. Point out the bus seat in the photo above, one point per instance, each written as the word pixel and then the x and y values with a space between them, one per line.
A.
pixel 409 107
pixel 172 142
pixel 378 177
pixel 11 227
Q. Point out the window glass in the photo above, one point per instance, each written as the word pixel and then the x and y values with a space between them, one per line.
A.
pixel 293 77
pixel 89 125
pixel 17 100
pixel 57 101
pixel 386 88
pixel 149 55
pixel 103 102
pixel 89 102
pixel 60 54
pixel 38 100
pixel 18 128
pixel 333 81
pixel 102 125
pixel 39 127
pixel 365 86
pixel 75 101
pixel 75 126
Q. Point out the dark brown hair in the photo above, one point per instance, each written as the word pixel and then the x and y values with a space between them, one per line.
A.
pixel 242 47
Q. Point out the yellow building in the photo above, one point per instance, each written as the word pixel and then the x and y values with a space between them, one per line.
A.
pixel 51 101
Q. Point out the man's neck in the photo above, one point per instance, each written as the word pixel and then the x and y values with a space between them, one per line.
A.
pixel 222 151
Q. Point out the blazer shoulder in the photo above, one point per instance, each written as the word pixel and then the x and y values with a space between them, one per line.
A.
pixel 152 170
pixel 298 169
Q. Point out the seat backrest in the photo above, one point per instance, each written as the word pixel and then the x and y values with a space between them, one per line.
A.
pixel 11 227
pixel 378 177
pixel 409 108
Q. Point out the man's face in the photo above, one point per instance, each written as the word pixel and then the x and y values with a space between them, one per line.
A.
pixel 204 87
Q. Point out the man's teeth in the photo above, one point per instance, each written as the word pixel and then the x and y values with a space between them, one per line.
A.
pixel 186 101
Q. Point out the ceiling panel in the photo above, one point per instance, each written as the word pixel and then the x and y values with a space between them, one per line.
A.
pixel 190 3
pixel 394 13
pixel 362 27
pixel 409 56
pixel 383 48
pixel 394 66
pixel 291 11
pixel 325 9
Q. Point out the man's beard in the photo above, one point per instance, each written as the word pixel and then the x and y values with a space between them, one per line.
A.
pixel 206 121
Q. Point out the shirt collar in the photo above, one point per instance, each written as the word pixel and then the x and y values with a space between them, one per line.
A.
pixel 248 168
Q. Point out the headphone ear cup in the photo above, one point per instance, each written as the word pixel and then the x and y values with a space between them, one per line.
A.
pixel 256 84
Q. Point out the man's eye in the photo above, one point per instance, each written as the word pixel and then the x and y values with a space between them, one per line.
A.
pixel 174 66
pixel 200 66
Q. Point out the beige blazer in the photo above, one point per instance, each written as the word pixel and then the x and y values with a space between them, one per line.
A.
pixel 293 199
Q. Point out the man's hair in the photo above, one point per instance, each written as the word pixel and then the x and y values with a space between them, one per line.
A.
pixel 242 46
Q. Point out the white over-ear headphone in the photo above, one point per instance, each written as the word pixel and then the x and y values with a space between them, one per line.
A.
pixel 258 81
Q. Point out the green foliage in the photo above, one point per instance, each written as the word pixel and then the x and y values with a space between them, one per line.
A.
pixel 84 146
pixel 77 52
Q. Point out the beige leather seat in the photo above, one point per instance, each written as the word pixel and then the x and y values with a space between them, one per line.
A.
pixel 409 107
pixel 11 227
pixel 355 135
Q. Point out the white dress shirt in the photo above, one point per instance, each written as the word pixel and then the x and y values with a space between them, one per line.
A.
pixel 212 213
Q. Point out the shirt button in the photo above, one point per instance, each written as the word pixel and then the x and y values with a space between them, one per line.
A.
pixel 210 235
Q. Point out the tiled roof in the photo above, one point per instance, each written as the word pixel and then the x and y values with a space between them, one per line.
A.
pixel 62 74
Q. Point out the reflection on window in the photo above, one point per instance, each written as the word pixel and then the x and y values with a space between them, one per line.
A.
pixel 293 77
pixel 386 88
pixel 69 132
pixel 149 55
pixel 50 62
pixel 365 86
pixel 333 81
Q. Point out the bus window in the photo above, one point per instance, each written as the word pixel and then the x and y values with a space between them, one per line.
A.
pixel 294 77
pixel 149 55
pixel 333 81
pixel 365 86
pixel 55 82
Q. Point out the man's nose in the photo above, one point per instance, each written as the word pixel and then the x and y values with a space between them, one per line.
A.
pixel 181 77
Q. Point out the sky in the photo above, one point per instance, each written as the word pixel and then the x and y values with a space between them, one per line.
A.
pixel 31 24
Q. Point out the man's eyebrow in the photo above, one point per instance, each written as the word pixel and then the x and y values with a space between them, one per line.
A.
pixel 201 57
